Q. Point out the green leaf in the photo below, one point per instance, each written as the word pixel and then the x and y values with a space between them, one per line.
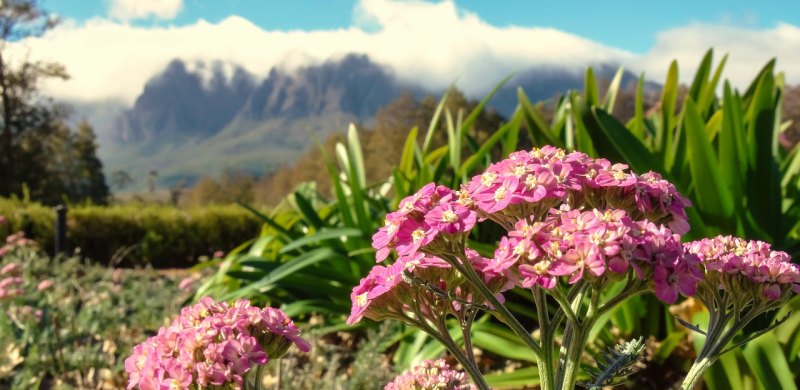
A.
pixel 613 89
pixel 476 112
pixel 307 211
pixel 510 142
pixel 322 235
pixel 538 130
pixel 669 97
pixel 285 235
pixel 763 191
pixel 765 358
pixel 260 245
pixel 454 141
pixel 487 146
pixel 434 122
pixel 500 340
pixel 617 143
pixel 637 124
pixel 288 268
pixel 590 94
pixel 701 76
pixel 357 179
pixel 710 88
pixel 341 198
pixel 517 379
pixel 710 191
pixel 407 158
pixel 732 159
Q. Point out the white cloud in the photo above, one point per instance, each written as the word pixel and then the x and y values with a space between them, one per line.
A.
pixel 748 51
pixel 126 10
pixel 433 43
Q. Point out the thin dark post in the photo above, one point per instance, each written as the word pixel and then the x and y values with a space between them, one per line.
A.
pixel 61 229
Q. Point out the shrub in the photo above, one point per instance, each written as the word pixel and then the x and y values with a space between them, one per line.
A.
pixel 160 236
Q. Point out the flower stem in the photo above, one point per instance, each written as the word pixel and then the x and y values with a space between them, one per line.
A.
pixel 545 363
pixel 576 342
pixel 696 373
pixel 505 315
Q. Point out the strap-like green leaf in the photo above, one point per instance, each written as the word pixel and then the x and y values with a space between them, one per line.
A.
pixel 322 235
pixel 712 195
pixel 617 143
pixel 766 360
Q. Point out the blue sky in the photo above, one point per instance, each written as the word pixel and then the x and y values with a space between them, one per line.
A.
pixel 630 25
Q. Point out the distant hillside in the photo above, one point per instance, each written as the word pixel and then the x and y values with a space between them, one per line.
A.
pixel 199 119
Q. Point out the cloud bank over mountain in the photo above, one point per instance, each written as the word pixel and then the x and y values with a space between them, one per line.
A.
pixel 436 44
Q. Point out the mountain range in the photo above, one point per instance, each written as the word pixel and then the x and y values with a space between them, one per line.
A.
pixel 196 119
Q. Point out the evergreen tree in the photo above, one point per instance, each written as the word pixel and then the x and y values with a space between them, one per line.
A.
pixel 89 168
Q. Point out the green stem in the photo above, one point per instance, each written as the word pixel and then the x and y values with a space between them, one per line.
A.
pixel 578 343
pixel 566 306
pixel 717 337
pixel 545 363
pixel 443 337
pixel 469 365
pixel 505 315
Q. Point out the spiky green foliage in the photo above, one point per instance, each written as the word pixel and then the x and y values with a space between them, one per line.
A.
pixel 615 364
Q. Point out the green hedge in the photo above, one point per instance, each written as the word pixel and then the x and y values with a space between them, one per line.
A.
pixel 161 236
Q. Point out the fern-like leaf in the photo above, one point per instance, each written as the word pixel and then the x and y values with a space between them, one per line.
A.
pixel 615 365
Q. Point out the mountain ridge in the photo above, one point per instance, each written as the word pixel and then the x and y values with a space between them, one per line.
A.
pixel 188 123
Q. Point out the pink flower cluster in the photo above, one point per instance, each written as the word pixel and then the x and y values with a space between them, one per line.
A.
pixel 422 217
pixel 385 292
pixel 589 244
pixel 531 182
pixel 11 282
pixel 769 272
pixel 430 375
pixel 211 344
pixel 15 240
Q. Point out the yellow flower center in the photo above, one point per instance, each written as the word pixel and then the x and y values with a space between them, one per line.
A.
pixel 541 267
pixel 487 178
pixel 500 193
pixel 361 300
pixel 531 181
pixel 449 216
pixel 519 170
pixel 417 235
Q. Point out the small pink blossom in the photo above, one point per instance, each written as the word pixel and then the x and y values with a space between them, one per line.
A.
pixel 44 284
pixel 430 374
pixel 12 269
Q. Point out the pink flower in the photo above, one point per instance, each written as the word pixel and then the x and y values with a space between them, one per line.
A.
pixel 751 266
pixel 451 218
pixel 12 269
pixel 211 343
pixel 583 256
pixel 44 284
pixel 187 284
pixel 430 374
pixel 667 284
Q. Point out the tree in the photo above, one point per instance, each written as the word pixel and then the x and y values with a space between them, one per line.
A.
pixel 151 181
pixel 92 183
pixel 37 148
pixel 121 179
